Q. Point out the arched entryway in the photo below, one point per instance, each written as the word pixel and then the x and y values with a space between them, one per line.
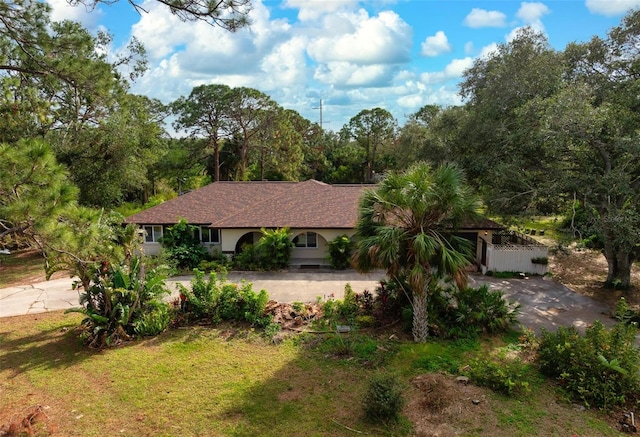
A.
pixel 248 238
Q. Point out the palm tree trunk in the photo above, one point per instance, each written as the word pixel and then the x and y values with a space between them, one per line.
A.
pixel 420 329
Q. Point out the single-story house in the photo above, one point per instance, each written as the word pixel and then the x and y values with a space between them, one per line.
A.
pixel 230 214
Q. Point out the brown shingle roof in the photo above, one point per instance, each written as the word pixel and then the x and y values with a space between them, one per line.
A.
pixel 268 204
pixel 308 204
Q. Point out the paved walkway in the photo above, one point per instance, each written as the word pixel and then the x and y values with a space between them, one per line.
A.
pixel 545 303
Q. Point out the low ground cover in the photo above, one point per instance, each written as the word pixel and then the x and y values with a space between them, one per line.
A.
pixel 229 380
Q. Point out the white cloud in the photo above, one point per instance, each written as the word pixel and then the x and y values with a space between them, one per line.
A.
pixel 314 9
pixel 435 45
pixel 61 10
pixel 345 74
pixel 453 70
pixel 363 40
pixel 285 66
pixel 482 18
pixel 611 8
pixel 532 12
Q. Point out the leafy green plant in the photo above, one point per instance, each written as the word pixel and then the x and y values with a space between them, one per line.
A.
pixel 275 248
pixel 340 249
pixel 506 377
pixel 117 301
pixel 182 245
pixel 484 308
pixel 468 312
pixel 625 314
pixel 383 400
pixel 600 368
pixel 271 252
pixel 249 258
pixel 214 299
pixel 154 320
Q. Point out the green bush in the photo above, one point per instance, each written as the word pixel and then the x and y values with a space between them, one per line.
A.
pixel 274 248
pixel 599 368
pixel 214 299
pixel 485 309
pixel 119 301
pixel 383 400
pixel 509 378
pixel 623 313
pixel 340 249
pixel 183 247
pixel 154 320
pixel 219 263
pixel 248 259
pixel 272 252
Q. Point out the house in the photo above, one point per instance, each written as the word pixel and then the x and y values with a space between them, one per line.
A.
pixel 231 214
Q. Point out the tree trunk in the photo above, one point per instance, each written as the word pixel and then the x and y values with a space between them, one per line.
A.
pixel 619 264
pixel 420 329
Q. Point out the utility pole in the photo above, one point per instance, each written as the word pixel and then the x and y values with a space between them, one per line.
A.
pixel 320 108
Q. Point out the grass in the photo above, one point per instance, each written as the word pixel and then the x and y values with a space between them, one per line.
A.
pixel 19 267
pixel 230 381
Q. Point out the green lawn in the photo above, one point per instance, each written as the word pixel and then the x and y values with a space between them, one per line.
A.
pixel 20 267
pixel 230 381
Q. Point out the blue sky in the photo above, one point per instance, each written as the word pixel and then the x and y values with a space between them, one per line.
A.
pixel 395 54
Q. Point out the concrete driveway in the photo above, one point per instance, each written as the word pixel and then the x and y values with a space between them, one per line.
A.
pixel 545 303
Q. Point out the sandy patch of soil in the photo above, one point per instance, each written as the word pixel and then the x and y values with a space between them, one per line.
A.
pixel 584 271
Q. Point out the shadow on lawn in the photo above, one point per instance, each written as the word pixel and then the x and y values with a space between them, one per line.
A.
pixel 46 349
pixel 318 392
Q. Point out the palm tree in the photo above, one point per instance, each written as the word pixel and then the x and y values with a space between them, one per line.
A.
pixel 406 226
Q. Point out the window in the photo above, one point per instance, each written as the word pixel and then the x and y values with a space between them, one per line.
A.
pixel 153 234
pixel 306 239
pixel 207 235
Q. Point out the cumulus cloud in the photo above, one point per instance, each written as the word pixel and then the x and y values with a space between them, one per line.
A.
pixel 348 75
pixel 435 45
pixel 611 8
pixel 314 9
pixel 61 10
pixel 363 40
pixel 453 70
pixel 482 18
pixel 531 14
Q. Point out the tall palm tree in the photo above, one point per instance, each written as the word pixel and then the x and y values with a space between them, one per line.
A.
pixel 406 226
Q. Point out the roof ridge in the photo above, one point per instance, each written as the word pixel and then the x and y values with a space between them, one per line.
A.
pixel 257 204
pixel 296 186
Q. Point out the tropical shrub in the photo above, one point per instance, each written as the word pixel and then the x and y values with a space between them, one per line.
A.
pixel 214 299
pixel 274 248
pixel 340 249
pixel 182 245
pixel 383 400
pixel 484 308
pixel 154 320
pixel 271 252
pixel 218 262
pixel 625 314
pixel 248 259
pixel 506 377
pixel 117 303
pixel 600 368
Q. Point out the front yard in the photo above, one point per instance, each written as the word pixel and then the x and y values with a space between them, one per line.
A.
pixel 230 381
